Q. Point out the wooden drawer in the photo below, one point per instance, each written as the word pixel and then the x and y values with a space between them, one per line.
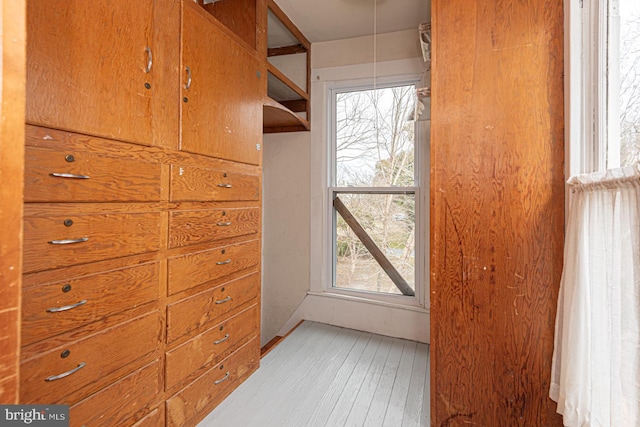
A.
pixel 193 402
pixel 122 403
pixel 48 241
pixel 210 347
pixel 69 175
pixel 188 271
pixel 193 314
pixel 53 308
pixel 88 361
pixel 199 226
pixel 155 418
pixel 202 184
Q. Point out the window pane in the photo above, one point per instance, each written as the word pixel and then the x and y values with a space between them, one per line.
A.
pixel 629 82
pixel 375 138
pixel 389 220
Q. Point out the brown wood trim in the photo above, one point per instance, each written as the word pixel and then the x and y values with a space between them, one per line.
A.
pixel 270 345
pixel 286 50
pixel 276 340
pixel 12 112
pixel 297 105
pixel 371 246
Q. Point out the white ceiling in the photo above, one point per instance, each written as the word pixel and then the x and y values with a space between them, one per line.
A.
pixel 325 20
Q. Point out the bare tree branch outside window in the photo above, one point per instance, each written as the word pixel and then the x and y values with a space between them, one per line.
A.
pixel 375 145
pixel 629 83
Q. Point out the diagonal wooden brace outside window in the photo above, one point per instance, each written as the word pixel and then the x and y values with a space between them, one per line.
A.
pixel 371 246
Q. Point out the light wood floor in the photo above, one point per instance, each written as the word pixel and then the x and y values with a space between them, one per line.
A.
pixel 323 375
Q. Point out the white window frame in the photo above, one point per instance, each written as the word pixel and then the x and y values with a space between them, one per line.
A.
pixel 419 271
pixel 592 77
pixel 322 304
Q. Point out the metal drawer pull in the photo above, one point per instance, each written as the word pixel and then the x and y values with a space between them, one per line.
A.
pixel 66 307
pixel 222 301
pixel 224 224
pixel 221 340
pixel 226 377
pixel 68 241
pixel 149 59
pixel 225 185
pixel 224 262
pixel 66 374
pixel 69 175
pixel 187 85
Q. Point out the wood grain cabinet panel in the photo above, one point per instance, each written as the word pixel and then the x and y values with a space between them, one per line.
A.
pixel 497 212
pixel 188 271
pixel 200 226
pixel 52 308
pixel 63 240
pixel 56 373
pixel 88 69
pixel 222 92
pixel 205 184
pixel 193 314
pixel 155 418
pixel 123 402
pixel 64 175
pixel 195 400
pixel 210 347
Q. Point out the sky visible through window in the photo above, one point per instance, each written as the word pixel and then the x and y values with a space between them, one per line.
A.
pixel 374 137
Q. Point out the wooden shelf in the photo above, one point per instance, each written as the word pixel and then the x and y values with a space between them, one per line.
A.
pixel 278 118
pixel 287 106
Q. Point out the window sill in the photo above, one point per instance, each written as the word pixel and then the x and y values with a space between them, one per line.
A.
pixel 390 301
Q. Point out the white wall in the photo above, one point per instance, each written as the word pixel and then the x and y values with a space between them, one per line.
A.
pixel 285 255
pixel 292 226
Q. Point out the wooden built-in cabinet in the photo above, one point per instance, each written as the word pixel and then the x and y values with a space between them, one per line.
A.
pixel 214 67
pixel 92 60
pixel 142 215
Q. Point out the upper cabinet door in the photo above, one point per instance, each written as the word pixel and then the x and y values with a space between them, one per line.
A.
pixel 221 91
pixel 90 67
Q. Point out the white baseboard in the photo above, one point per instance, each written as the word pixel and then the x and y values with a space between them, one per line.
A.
pixel 395 321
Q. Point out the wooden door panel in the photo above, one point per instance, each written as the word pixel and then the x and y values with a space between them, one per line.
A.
pixel 86 65
pixel 222 108
pixel 497 210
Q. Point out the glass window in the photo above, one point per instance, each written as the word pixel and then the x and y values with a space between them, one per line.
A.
pixel 374 189
pixel 628 44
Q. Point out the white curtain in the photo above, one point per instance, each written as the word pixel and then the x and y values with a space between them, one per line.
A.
pixel 596 362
